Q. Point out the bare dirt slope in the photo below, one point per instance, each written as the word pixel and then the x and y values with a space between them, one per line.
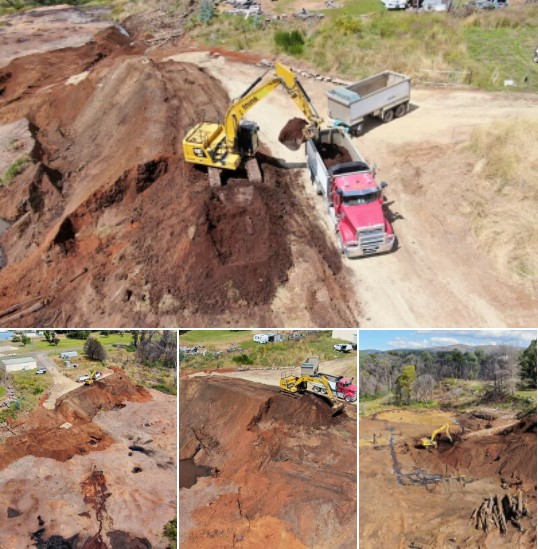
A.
pixel 425 498
pixel 111 227
pixel 83 474
pixel 283 469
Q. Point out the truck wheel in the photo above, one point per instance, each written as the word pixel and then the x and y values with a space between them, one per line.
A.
pixel 388 116
pixel 348 399
pixel 400 110
pixel 356 130
pixel 315 389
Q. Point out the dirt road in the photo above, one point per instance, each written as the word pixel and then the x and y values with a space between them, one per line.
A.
pixel 62 384
pixel 437 277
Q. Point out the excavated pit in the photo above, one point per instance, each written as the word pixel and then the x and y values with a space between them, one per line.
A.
pixel 277 466
pixel 110 226
pixel 438 489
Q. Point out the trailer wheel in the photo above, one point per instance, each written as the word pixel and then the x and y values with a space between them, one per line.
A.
pixel 400 110
pixel 388 116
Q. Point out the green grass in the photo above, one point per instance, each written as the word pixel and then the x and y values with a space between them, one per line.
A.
pixel 290 353
pixel 28 388
pixel 355 7
pixel 214 337
pixel 15 169
pixel 3 391
pixel 41 344
pixel 369 406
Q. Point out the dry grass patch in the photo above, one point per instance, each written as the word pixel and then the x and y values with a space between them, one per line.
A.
pixel 505 200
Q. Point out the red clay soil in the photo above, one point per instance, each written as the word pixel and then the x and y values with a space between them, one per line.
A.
pixel 510 454
pixel 333 154
pixel 285 468
pixel 112 227
pixel 291 135
pixel 43 436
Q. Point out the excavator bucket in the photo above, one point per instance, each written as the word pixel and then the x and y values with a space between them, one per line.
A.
pixel 337 409
pixel 292 134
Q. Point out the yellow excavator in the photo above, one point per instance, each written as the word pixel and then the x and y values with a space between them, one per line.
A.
pixel 91 379
pixel 234 143
pixel 299 384
pixel 432 441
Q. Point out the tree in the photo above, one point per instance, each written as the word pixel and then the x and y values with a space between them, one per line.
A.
pixel 94 349
pixel 527 364
pixel 404 383
pixel 25 339
pixel 423 387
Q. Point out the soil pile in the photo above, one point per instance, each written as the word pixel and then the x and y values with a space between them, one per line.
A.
pixel 292 135
pixel 333 154
pixel 69 431
pixel 112 227
pixel 285 468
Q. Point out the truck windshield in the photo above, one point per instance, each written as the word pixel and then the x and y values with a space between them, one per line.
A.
pixel 353 199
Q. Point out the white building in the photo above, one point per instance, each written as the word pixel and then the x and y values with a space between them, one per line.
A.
pixel 17 364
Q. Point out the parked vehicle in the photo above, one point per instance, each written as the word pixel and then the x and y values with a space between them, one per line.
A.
pixel 68 354
pixel 353 197
pixel 343 347
pixel 41 371
pixel 394 4
pixel 384 95
pixel 267 338
pixel 83 378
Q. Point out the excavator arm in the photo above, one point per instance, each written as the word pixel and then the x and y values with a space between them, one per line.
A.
pixel 284 78
pixel 295 384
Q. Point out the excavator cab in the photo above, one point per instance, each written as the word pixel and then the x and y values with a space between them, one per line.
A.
pixel 247 138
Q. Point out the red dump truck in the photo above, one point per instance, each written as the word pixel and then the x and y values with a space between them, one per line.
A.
pixel 341 386
pixel 353 197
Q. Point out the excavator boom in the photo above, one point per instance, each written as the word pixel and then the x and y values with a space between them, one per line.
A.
pixel 432 441
pixel 299 384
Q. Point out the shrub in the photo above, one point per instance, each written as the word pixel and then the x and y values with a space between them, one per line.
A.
pixel 291 42
pixel 243 359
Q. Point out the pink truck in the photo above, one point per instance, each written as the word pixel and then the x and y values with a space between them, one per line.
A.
pixel 353 197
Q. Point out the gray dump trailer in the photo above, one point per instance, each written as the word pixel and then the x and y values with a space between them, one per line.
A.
pixel 385 95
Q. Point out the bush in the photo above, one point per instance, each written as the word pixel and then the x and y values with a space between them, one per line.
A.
pixel 94 349
pixel 206 11
pixel 243 359
pixel 170 532
pixel 291 42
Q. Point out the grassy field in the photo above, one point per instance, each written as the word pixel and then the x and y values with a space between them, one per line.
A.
pixel 214 339
pixel 482 49
pixel 270 355
pixel 40 344
pixel 29 388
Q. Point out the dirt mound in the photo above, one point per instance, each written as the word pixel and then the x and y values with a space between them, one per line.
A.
pixel 291 135
pixel 108 177
pixel 69 431
pixel 105 394
pixel 333 154
pixel 280 463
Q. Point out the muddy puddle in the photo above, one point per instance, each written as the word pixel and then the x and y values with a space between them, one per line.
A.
pixel 189 473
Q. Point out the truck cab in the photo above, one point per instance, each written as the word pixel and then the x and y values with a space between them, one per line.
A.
pixel 346 389
pixel 357 200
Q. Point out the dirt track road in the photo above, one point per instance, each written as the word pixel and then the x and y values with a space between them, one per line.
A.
pixel 437 277
pixel 62 384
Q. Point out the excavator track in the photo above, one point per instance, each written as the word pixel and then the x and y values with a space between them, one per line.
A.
pixel 254 173
pixel 291 395
pixel 214 177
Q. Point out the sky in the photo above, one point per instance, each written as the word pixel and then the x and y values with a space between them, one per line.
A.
pixel 386 340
